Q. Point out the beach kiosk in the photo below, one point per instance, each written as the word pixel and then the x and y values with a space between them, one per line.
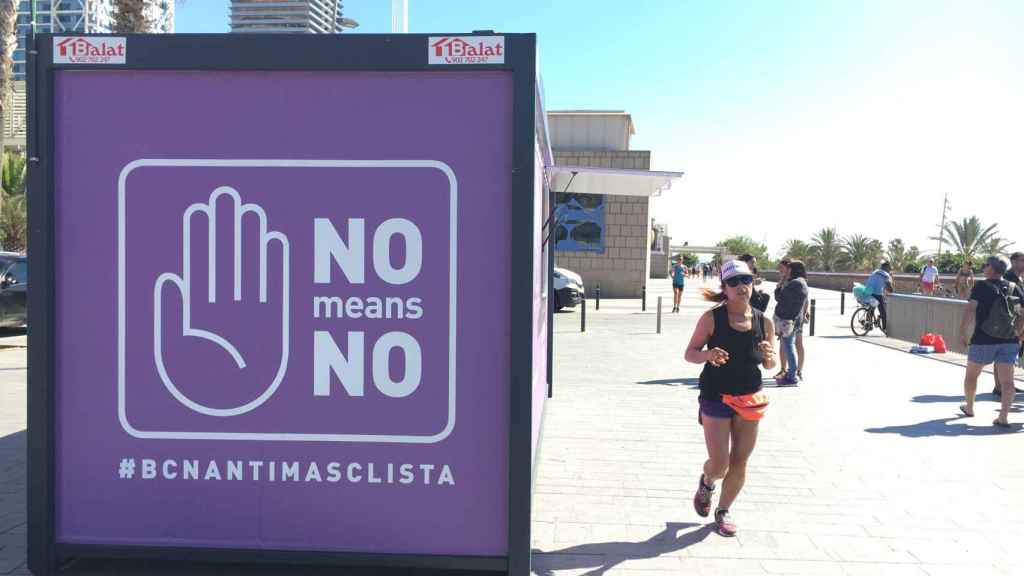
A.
pixel 290 298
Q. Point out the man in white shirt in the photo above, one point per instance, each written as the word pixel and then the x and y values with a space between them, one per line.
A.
pixel 929 277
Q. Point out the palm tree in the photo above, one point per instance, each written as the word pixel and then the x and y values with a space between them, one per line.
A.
pixel 997 247
pixel 861 252
pixel 132 16
pixel 896 254
pixel 13 228
pixel 969 237
pixel 826 249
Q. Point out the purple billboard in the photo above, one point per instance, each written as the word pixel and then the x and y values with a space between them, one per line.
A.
pixel 282 309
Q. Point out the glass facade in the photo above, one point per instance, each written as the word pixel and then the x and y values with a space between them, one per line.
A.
pixel 78 16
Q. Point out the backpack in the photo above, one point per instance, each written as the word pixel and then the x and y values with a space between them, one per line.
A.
pixel 759 300
pixel 1004 316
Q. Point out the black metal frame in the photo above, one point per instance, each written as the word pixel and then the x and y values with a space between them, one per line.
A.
pixel 386 52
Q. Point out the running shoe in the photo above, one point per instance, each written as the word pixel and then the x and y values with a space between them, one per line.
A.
pixel 724 524
pixel 702 499
pixel 788 381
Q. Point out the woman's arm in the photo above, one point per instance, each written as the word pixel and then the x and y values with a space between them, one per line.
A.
pixel 695 352
pixel 768 346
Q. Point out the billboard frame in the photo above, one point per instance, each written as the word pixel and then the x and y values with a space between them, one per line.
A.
pixel 256 52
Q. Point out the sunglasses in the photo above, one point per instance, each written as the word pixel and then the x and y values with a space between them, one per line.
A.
pixel 737 280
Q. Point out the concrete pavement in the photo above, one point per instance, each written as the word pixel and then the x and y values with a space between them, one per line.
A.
pixel 865 468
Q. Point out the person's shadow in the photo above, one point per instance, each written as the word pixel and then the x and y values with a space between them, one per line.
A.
pixel 604 556
pixel 944 427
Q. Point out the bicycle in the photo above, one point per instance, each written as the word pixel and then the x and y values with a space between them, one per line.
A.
pixel 865 319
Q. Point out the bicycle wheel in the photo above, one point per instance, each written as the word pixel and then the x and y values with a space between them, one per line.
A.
pixel 862 321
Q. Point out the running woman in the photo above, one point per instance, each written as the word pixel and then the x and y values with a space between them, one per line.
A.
pixel 678 283
pixel 733 341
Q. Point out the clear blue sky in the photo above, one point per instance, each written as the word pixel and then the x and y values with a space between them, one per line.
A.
pixel 802 113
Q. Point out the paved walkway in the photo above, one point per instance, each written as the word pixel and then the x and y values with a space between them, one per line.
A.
pixel 863 469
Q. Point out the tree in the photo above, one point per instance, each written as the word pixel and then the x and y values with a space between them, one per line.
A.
pixel 862 252
pixel 968 237
pixel 690 259
pixel 896 254
pixel 913 261
pixel 132 16
pixel 796 249
pixel 13 225
pixel 826 249
pixel 739 245
pixel 996 247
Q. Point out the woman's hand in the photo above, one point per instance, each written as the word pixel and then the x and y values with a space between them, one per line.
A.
pixel 717 357
pixel 768 354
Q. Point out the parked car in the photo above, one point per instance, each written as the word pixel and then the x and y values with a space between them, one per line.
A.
pixel 13 290
pixel 568 288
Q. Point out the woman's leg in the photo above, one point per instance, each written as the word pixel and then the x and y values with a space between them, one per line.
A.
pixel 800 352
pixel 716 436
pixel 744 437
pixel 1005 372
pixel 789 351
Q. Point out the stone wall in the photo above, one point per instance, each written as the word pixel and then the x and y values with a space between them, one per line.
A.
pixel 622 269
pixel 911 316
pixel 843 281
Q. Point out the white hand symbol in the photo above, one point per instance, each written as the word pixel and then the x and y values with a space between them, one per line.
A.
pixel 183 284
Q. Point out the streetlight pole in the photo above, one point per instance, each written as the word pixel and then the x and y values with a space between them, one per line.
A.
pixel 399 16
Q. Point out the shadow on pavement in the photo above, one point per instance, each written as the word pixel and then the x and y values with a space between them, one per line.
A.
pixel 942 427
pixel 604 556
pixel 674 382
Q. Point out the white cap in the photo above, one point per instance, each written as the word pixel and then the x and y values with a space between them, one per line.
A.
pixel 735 268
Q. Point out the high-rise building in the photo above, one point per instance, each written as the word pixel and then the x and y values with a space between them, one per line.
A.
pixel 283 16
pixel 57 16
pixel 79 16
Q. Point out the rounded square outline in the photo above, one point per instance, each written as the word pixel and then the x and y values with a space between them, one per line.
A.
pixel 285 163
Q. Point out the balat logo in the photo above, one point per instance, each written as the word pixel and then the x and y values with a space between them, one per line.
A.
pixel 466 50
pixel 95 50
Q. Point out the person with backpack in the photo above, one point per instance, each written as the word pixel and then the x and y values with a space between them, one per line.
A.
pixel 1013 275
pixel 995 307
pixel 734 342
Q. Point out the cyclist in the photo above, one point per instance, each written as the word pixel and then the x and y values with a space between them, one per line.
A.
pixel 880 283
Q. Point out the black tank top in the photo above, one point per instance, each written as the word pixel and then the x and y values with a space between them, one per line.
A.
pixel 742 373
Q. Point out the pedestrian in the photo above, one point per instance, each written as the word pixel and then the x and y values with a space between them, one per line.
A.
pixel 880 283
pixel 678 282
pixel 733 341
pixel 783 270
pixel 758 298
pixel 1013 275
pixel 965 280
pixel 929 276
pixel 788 312
pixel 995 309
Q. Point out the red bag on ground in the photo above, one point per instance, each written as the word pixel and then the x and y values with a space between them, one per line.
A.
pixel 927 340
pixel 940 344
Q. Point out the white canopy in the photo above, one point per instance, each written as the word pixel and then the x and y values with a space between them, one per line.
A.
pixel 614 181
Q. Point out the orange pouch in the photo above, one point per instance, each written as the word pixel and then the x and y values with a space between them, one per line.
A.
pixel 748 406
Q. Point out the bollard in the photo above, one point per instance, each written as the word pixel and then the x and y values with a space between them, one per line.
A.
pixel 583 315
pixel 597 306
pixel 659 314
pixel 643 298
pixel 842 303
pixel 813 313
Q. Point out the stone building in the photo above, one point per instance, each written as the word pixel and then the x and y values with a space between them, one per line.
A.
pixel 602 217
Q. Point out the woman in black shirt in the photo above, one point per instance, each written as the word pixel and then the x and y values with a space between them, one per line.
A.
pixel 733 341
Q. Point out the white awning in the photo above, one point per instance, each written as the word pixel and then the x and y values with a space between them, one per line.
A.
pixel 614 181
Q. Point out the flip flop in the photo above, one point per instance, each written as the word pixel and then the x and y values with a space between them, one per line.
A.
pixel 1000 424
pixel 963 410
